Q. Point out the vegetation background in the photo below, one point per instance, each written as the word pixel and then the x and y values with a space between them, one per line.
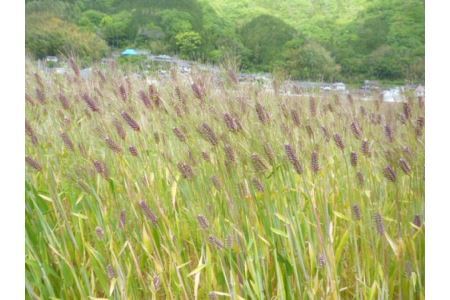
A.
pixel 327 40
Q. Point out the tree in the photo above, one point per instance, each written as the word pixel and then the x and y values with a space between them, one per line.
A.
pixel 53 36
pixel 91 19
pixel 174 22
pixel 117 29
pixel 265 37
pixel 308 60
pixel 188 43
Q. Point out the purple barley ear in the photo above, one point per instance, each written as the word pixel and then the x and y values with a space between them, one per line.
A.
pixel 420 122
pixel 406 110
pixel 295 117
pixel 312 106
pixel 284 110
pixel 322 261
pixel 39 81
pixel 154 95
pixel 379 223
pixel 365 148
pixel 356 210
pixel 407 151
pixel 389 133
pixel 315 162
pixel 33 163
pixel 67 141
pixel 216 242
pixel 185 170
pixel 100 232
pixel 90 103
pixel 29 99
pixel 229 241
pixel 417 221
pixel 123 218
pixel 270 154
pixel 40 95
pixel 156 282
pixel 111 272
pixel 231 122
pixel 203 221
pixel 74 66
pixel 179 134
pixel 130 121
pixel 258 163
pixel 206 156
pixel 133 150
pixel 258 185
pixel 356 129
pixel 123 93
pixel 148 212
pixel 237 121
pixel 198 91
pixel 216 182
pixel 421 101
pixel 404 165
pixel 409 268
pixel 145 99
pixel 290 153
pixel 263 116
pixel 64 101
pixel 229 154
pixel 119 128
pixel 113 145
pixel 30 132
pixel 354 159
pixel 101 168
pixel 208 134
pixel 338 141
pixel 178 110
pixel 326 134
pixel 360 177
pixel 102 76
pixel 390 174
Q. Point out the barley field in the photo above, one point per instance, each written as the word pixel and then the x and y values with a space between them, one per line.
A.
pixel 211 189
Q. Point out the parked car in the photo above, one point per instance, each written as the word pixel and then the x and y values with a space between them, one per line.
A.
pixel 339 86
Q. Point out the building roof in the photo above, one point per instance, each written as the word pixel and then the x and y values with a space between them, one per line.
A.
pixel 129 52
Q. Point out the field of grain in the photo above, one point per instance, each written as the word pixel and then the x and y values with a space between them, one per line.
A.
pixel 211 189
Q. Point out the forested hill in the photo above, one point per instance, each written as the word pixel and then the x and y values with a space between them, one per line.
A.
pixel 316 40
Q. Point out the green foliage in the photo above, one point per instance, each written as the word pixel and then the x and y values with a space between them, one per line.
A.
pixel 308 61
pixel 265 37
pixel 357 33
pixel 118 29
pixel 91 19
pixel 53 36
pixel 388 36
pixel 188 43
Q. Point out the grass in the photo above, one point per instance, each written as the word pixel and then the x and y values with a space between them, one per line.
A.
pixel 220 213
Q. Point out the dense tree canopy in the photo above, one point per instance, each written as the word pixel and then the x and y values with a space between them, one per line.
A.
pixel 330 40
pixel 53 36
pixel 308 60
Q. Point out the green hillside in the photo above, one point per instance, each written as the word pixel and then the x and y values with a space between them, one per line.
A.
pixel 321 40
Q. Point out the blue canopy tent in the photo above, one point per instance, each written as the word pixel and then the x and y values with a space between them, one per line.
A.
pixel 129 52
